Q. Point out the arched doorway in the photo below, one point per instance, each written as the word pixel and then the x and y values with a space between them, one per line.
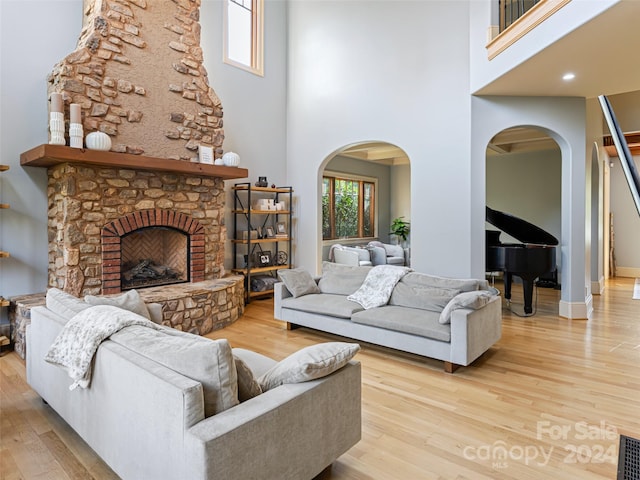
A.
pixel 524 182
pixel 379 165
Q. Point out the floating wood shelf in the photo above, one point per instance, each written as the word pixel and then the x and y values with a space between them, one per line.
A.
pixel 49 155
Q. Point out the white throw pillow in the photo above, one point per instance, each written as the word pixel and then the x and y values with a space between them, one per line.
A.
pixel 298 281
pixel 474 300
pixel 309 363
pixel 129 301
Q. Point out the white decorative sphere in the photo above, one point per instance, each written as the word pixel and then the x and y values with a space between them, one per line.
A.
pixel 231 159
pixel 218 161
pixel 98 141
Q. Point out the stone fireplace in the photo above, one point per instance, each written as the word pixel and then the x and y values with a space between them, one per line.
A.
pixel 103 219
pixel 145 215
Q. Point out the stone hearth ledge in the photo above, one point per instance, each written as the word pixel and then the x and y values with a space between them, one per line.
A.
pixel 198 308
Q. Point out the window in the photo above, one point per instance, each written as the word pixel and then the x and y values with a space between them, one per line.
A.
pixel 243 34
pixel 348 207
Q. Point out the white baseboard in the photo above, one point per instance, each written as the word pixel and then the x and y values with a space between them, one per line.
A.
pixel 630 272
pixel 576 310
pixel 597 288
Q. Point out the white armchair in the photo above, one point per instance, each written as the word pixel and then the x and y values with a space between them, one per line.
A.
pixel 351 255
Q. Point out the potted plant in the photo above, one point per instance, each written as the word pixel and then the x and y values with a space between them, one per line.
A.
pixel 400 228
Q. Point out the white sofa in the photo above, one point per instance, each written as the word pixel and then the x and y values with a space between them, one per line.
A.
pixel 410 321
pixel 147 421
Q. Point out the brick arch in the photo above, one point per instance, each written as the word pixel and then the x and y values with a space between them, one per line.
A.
pixel 111 240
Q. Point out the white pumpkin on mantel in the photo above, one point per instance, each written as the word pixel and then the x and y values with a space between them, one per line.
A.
pixel 231 159
pixel 98 141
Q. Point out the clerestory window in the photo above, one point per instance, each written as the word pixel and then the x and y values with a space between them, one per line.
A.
pixel 243 34
pixel 348 207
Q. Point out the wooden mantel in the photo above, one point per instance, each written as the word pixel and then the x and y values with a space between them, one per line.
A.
pixel 48 155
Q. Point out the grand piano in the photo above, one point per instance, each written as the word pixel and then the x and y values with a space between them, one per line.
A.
pixel 528 260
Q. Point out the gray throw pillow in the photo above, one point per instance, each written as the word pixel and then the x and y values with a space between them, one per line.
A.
pixel 340 279
pixel 298 281
pixel 128 301
pixel 63 303
pixel 473 300
pixel 248 386
pixel 309 363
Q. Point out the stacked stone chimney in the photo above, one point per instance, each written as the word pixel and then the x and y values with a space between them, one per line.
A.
pixel 138 75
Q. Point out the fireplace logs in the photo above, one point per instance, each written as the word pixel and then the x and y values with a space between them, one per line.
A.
pixel 147 272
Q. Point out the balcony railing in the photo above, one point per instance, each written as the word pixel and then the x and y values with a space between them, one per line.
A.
pixel 512 10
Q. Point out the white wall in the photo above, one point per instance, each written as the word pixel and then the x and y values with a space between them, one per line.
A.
pixel 395 72
pixel 401 193
pixel 626 221
pixel 527 185
pixel 34 36
pixel 254 106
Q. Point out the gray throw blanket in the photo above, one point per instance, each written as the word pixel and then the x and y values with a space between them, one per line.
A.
pixel 77 343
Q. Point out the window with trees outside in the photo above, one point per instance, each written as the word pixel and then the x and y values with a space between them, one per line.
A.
pixel 243 34
pixel 348 208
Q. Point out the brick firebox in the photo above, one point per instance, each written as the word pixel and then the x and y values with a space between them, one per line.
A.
pixel 113 233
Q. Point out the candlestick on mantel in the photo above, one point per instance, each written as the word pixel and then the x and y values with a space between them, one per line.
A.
pixel 75 127
pixel 56 120
pixel 57 104
pixel 75 113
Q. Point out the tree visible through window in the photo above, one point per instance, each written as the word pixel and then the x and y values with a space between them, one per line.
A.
pixel 348 208
pixel 244 34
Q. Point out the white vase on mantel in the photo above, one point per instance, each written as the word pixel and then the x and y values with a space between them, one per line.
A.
pixel 231 159
pixel 98 141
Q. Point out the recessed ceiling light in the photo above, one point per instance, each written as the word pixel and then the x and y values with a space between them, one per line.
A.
pixel 568 76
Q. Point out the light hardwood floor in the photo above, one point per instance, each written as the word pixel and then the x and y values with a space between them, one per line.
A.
pixel 548 401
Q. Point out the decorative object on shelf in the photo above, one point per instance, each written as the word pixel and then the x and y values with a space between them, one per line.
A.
pixel 262 182
pixel 400 228
pixel 265 204
pixel 218 161
pixel 281 229
pixel 231 159
pixel 205 154
pixel 56 120
pixel 273 185
pixel 98 141
pixel 281 258
pixel 263 258
pixel 75 126
pixel 270 232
